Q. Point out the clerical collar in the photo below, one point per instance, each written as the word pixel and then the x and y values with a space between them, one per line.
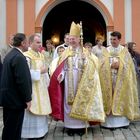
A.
pixel 116 47
pixel 36 53
pixel 65 45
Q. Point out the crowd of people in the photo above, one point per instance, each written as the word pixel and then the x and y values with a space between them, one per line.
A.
pixel 79 84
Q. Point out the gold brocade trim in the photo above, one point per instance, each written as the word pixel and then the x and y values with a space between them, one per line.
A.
pixel 79 108
pixel 34 55
pixel 106 82
pixel 86 94
pixel 37 60
pixel 124 100
pixel 71 65
pixel 70 82
pixel 80 67
pixel 38 97
pixel 68 54
pixel 36 88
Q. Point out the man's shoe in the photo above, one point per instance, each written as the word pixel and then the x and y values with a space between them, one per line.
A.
pixel 80 132
pixel 41 138
pixel 70 132
pixel 124 127
pixel 109 128
pixel 112 129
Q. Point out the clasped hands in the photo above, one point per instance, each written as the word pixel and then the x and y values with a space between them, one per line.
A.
pixel 115 65
pixel 43 69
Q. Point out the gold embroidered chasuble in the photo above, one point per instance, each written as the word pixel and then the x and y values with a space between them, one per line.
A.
pixel 87 104
pixel 40 104
pixel 121 98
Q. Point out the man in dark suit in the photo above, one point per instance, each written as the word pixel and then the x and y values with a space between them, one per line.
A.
pixel 0 66
pixel 15 88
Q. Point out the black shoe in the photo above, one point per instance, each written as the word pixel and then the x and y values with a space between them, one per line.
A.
pixel 112 129
pixel 80 132
pixel 124 127
pixel 109 128
pixel 70 132
pixel 41 138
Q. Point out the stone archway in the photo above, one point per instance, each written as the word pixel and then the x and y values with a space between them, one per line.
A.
pixel 52 3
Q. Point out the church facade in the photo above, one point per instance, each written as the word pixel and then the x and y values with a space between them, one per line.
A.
pixel 29 16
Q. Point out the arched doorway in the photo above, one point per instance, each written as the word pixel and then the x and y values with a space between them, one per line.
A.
pixel 56 16
pixel 58 21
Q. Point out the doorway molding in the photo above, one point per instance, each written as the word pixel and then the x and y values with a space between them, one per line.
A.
pixel 96 3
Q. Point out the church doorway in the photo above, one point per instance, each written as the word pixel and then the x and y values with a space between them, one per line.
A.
pixel 58 21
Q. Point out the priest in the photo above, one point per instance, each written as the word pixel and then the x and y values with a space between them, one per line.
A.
pixel 74 89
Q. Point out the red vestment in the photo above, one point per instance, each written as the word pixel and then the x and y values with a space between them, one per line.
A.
pixel 56 92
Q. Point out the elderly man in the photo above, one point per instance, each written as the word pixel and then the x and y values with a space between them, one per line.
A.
pixel 80 101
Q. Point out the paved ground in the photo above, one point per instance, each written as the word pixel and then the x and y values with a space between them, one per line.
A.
pixel 57 132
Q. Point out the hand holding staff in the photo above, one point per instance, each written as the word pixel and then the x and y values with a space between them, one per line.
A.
pixel 81 35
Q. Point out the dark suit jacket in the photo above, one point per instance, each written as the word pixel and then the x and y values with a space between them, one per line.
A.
pixel 0 68
pixel 15 85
